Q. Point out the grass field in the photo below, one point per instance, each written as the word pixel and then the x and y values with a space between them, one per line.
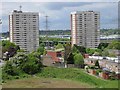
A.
pixel 51 77
pixel 77 75
pixel 36 82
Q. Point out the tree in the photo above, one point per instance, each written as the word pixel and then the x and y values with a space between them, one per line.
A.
pixel 59 45
pixel 10 69
pixel 78 49
pixel 41 50
pixel 102 46
pixel 74 49
pixel 105 52
pixel 114 45
pixel 67 52
pixel 9 47
pixel 28 63
pixel 81 49
pixel 42 45
pixel 70 59
pixel 111 54
pixel 33 65
pixel 97 64
pixel 78 60
pixel 90 51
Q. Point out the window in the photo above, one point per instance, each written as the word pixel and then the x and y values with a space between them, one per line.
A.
pixel 59 55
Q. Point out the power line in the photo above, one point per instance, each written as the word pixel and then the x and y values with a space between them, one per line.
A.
pixel 46 21
pixel 20 8
pixel 46 27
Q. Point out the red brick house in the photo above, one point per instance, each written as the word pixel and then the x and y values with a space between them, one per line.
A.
pixel 57 56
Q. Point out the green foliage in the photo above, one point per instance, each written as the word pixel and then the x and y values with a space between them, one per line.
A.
pixel 11 48
pixel 90 51
pixel 81 49
pixel 76 75
pixel 41 50
pixel 92 67
pixel 70 59
pixel 105 52
pixel 74 49
pixel 30 68
pixel 42 45
pixel 111 54
pixel 33 64
pixel 102 46
pixel 55 40
pixel 97 64
pixel 78 49
pixel 78 59
pixel 59 45
pixel 109 31
pixel 55 32
pixel 114 45
pixel 67 51
pixel 23 63
pixel 10 69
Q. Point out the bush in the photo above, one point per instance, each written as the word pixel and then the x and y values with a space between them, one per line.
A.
pixel 17 77
pixel 32 66
pixel 22 64
pixel 10 70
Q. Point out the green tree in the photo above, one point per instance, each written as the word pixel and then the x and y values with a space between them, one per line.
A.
pixel 29 64
pixel 105 52
pixel 9 47
pixel 114 45
pixel 10 69
pixel 90 51
pixel 102 46
pixel 78 60
pixel 70 59
pixel 111 54
pixel 59 45
pixel 67 52
pixel 97 64
pixel 41 50
pixel 33 65
pixel 74 49
pixel 42 45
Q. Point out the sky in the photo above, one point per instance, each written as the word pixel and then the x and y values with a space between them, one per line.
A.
pixel 59 12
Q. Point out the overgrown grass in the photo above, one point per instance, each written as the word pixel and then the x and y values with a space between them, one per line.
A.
pixel 77 75
pixel 6 77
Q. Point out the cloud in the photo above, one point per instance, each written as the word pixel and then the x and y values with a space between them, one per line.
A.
pixel 61 5
pixel 59 1
pixel 59 12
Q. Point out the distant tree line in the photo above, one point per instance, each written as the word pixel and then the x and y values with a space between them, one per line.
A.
pixel 68 32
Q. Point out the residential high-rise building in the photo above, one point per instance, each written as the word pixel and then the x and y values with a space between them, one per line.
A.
pixel 24 29
pixel 85 28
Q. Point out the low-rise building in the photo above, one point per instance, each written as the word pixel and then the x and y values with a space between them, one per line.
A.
pixel 109 65
pixel 57 56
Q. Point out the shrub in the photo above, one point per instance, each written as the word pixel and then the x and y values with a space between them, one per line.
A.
pixel 33 65
pixel 17 77
pixel 10 70
pixel 30 68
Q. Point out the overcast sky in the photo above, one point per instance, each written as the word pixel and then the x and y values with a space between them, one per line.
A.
pixel 59 12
